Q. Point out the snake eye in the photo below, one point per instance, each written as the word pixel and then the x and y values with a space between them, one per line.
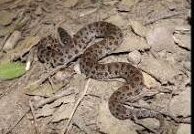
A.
pixel 60 29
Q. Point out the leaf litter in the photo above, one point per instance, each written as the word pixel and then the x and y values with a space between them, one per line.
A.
pixel 151 35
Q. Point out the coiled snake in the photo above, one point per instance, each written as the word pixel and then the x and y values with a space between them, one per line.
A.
pixel 55 52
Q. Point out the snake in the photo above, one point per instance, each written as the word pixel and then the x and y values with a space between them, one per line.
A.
pixel 66 48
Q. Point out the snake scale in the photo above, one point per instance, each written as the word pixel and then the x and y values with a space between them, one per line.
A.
pixel 65 49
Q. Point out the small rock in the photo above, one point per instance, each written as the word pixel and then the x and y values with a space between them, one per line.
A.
pixel 134 57
pixel 6 17
pixel 12 41
pixel 184 129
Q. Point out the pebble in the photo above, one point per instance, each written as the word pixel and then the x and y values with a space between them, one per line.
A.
pixel 134 57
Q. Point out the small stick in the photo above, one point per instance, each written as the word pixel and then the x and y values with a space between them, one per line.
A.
pixel 47 75
pixel 11 128
pixel 164 16
pixel 136 121
pixel 67 127
pixel 172 117
pixel 34 117
pixel 53 98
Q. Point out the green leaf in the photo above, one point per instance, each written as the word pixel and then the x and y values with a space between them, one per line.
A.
pixel 11 70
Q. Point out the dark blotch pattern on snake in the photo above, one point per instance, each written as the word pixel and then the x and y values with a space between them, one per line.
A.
pixel 55 52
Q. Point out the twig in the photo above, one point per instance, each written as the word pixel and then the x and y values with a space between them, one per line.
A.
pixel 3 41
pixel 164 16
pixel 67 127
pixel 88 12
pixel 47 75
pixel 172 117
pixel 34 117
pixel 136 121
pixel 147 93
pixel 11 128
pixel 51 83
pixel 53 98
pixel 50 73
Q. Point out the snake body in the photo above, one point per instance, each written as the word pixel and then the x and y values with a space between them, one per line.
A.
pixel 55 52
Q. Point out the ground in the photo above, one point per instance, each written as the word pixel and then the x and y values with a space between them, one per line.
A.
pixel 43 100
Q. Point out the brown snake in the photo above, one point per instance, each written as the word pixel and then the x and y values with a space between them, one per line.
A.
pixel 55 52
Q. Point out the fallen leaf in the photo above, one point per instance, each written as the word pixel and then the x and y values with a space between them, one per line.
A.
pixel 138 28
pixel 161 38
pixel 132 42
pixel 110 125
pixel 6 17
pixel 160 69
pixel 63 112
pixel 180 104
pixel 10 71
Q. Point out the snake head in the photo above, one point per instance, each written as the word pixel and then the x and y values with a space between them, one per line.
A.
pixel 64 38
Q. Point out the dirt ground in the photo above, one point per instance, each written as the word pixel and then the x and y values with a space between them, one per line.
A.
pixel 48 101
